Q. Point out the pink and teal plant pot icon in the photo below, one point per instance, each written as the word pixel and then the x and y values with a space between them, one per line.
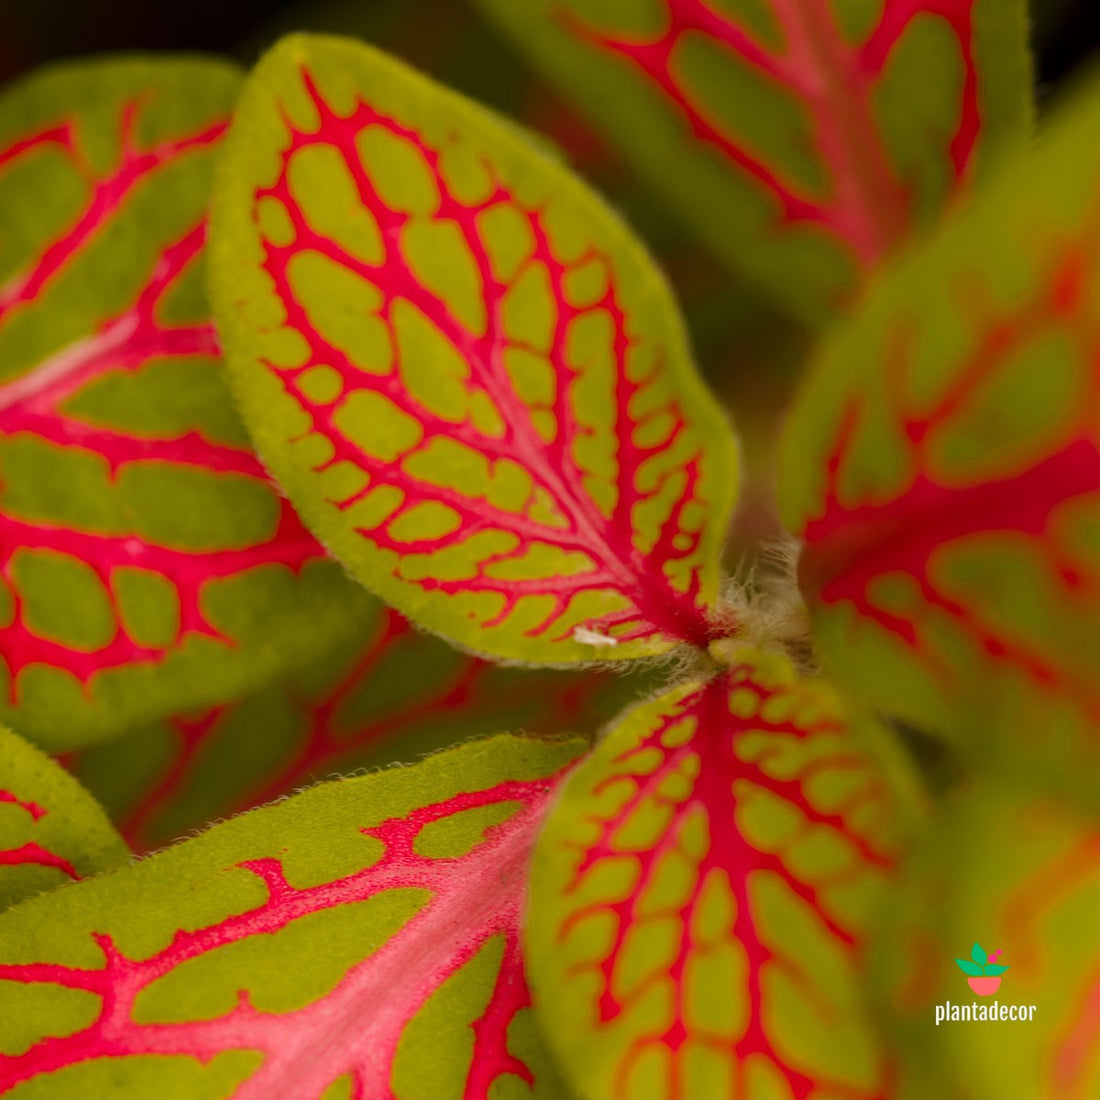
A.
pixel 982 970
pixel 983 986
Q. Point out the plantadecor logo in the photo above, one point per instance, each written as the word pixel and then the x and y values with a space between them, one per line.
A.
pixel 984 977
pixel 984 970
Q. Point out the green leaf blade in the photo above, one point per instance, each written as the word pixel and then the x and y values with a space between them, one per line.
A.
pixel 941 467
pixel 511 447
pixel 824 134
pixel 51 830
pixel 690 864
pixel 266 948
pixel 148 564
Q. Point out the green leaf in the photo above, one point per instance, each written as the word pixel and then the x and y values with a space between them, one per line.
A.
pixel 1026 869
pixel 472 383
pixel 970 968
pixel 702 892
pixel 978 955
pixel 51 830
pixel 392 697
pixel 802 141
pixel 146 562
pixel 942 468
pixel 360 939
pixel 475 58
pixel 993 969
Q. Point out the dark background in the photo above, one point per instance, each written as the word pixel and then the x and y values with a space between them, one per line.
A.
pixel 1067 32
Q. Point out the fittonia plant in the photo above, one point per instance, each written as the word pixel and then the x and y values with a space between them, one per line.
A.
pixel 463 378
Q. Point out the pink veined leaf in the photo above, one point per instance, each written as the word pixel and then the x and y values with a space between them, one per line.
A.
pixel 31 852
pixel 848 544
pixel 371 952
pixel 115 391
pixel 868 207
pixel 33 405
pixel 703 892
pixel 511 446
pixel 809 125
pixel 34 855
pixel 51 830
pixel 398 694
pixel 575 531
pixel 465 52
pixel 943 469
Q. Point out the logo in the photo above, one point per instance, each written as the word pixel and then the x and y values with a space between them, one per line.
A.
pixel 983 975
pixel 984 971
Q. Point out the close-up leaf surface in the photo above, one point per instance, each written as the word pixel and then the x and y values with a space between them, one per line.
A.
pixel 365 397
pixel 702 894
pixel 393 696
pixel 146 562
pixel 52 831
pixel 474 57
pixel 803 141
pixel 361 939
pixel 942 467
pixel 464 370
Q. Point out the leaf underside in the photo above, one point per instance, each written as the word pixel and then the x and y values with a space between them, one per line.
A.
pixel 146 563
pixel 358 940
pixel 803 141
pixel 702 892
pixel 473 385
pixel 942 468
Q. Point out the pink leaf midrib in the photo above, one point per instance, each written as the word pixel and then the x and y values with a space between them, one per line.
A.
pixel 850 544
pixel 867 207
pixel 871 207
pixel 733 857
pixel 635 575
pixel 473 898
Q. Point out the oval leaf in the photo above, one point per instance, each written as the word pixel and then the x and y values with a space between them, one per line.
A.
pixel 701 895
pixel 146 563
pixel 358 940
pixel 462 368
pixel 51 830
pixel 803 141
pixel 1035 898
pixel 943 468
pixel 395 696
